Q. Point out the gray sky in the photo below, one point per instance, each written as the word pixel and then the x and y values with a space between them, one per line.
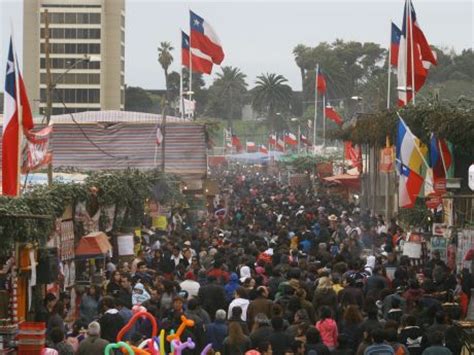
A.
pixel 258 36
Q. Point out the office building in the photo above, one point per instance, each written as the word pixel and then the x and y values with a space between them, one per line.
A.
pixel 87 54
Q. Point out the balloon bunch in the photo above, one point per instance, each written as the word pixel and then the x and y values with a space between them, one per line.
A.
pixel 155 345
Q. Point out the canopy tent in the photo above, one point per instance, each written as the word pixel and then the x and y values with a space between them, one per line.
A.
pixel 351 182
pixel 93 245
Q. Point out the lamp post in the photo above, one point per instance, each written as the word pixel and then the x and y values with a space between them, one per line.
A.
pixel 50 87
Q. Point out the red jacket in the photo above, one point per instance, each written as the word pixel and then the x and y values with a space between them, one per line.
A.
pixel 328 330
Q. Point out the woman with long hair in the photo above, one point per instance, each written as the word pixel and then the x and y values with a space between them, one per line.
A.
pixel 89 307
pixel 324 295
pixel 236 343
pixel 351 325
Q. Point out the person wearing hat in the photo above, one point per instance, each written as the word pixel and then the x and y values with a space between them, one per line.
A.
pixel 93 344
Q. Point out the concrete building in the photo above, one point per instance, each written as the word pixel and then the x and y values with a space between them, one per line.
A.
pixel 87 40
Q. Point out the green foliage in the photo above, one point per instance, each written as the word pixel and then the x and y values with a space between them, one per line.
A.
pixel 127 190
pixel 272 95
pixel 165 58
pixel 227 93
pixel 137 99
pixel 418 216
pixel 304 163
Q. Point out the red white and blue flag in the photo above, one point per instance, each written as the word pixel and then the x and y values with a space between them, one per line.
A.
pixel 333 115
pixel 280 145
pixel 251 147
pixel 291 139
pixel 201 63
pixel 272 140
pixel 409 186
pixel 236 143
pixel 395 44
pixel 422 58
pixel 16 114
pixel 205 39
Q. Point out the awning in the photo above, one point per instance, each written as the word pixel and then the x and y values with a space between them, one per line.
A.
pixel 350 181
pixel 93 245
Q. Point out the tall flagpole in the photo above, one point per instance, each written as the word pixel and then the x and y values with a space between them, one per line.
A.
pixel 181 106
pixel 315 105
pixel 20 113
pixel 190 64
pixel 389 66
pixel 324 120
pixel 412 55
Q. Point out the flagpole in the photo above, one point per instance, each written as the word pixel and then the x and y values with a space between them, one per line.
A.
pixel 324 120
pixel 442 158
pixel 315 105
pixel 416 145
pixel 20 114
pixel 190 63
pixel 406 52
pixel 389 66
pixel 412 56
pixel 181 105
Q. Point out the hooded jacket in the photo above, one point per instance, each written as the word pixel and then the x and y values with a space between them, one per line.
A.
pixel 231 286
pixel 139 294
pixel 328 330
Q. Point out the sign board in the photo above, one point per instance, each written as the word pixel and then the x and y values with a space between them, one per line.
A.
pixel 412 250
pixel 440 229
pixel 440 244
pixel 471 177
pixel 386 160
pixel 433 201
pixel 125 245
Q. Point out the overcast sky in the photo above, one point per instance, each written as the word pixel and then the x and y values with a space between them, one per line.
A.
pixel 258 36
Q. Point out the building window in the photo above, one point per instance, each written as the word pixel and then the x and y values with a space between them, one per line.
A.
pixel 70 17
pixel 94 18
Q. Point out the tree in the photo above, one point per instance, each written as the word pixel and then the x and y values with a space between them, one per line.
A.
pixel 304 61
pixel 226 94
pixel 165 58
pixel 137 99
pixel 272 96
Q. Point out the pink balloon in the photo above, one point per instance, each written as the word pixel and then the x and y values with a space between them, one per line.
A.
pixel 179 346
pixel 206 349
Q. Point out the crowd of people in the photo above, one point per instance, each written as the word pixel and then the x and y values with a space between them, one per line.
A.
pixel 276 269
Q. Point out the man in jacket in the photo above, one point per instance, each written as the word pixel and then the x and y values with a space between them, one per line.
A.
pixel 212 296
pixel 93 344
pixel 111 322
pixel 261 304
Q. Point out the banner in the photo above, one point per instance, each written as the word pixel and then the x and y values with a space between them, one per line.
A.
pixel 386 160
pixel 36 152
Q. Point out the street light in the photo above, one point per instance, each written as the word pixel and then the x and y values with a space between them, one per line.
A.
pixel 50 87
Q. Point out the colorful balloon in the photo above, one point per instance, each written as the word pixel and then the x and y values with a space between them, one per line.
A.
pixel 118 345
pixel 185 322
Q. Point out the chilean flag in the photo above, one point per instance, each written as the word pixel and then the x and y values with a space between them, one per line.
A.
pixel 333 115
pixel 291 139
pixel 159 136
pixel 423 57
pixel 280 145
pixel 12 136
pixel 272 140
pixel 201 63
pixel 320 82
pixel 395 44
pixel 236 143
pixel 251 147
pixel 409 187
pixel 263 149
pixel 205 39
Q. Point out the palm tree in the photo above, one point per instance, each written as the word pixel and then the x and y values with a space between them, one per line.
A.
pixel 301 53
pixel 227 93
pixel 271 95
pixel 165 58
